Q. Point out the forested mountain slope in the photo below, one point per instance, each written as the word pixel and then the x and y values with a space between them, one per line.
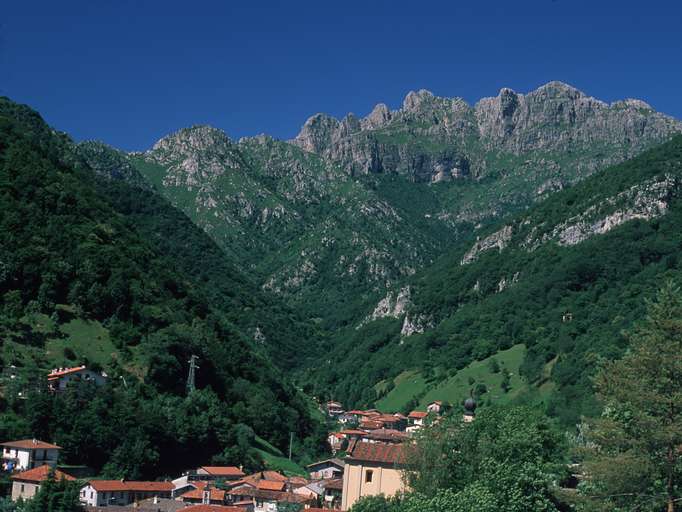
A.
pixel 564 279
pixel 77 249
pixel 349 208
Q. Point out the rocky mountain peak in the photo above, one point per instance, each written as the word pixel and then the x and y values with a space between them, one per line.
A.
pixel 377 118
pixel 316 132
pixel 414 101
pixel 195 138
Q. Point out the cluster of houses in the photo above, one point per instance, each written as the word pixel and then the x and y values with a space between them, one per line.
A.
pixel 207 489
pixel 369 448
pixel 333 484
pixel 372 426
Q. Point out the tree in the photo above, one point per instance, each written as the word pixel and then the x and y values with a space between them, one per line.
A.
pixel 55 496
pixel 506 459
pixel 377 503
pixel 632 450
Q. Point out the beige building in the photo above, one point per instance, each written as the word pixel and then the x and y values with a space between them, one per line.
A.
pixel 25 485
pixel 372 469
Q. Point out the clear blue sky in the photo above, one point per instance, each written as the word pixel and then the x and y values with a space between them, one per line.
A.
pixel 129 72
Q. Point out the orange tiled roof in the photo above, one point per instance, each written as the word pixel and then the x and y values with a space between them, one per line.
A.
pixel 198 493
pixel 269 485
pixel 223 471
pixel 378 452
pixel 418 415
pixel 133 486
pixel 55 374
pixel 31 444
pixel 39 474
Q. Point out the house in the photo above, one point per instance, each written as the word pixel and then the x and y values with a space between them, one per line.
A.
pixel 28 454
pixel 336 441
pixel 392 421
pixel 252 480
pixel 59 378
pixel 204 493
pixel 372 469
pixel 334 408
pixel 436 407
pixel 370 424
pixel 187 481
pixel 219 473
pixel 27 483
pixel 314 490
pixel 330 468
pixel 416 420
pixel 333 493
pixel 101 493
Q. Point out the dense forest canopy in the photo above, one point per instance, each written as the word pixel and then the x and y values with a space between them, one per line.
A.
pixel 71 249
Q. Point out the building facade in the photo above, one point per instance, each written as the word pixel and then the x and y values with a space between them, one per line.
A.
pixel 372 469
pixel 26 484
pixel 28 454
pixel 103 493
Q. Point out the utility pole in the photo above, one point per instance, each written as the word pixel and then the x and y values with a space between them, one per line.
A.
pixel 291 442
pixel 191 385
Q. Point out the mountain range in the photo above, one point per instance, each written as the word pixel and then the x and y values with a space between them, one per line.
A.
pixel 375 259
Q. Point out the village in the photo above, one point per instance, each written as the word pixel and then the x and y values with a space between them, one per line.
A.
pixel 367 457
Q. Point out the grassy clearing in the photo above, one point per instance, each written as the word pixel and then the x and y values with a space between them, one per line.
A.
pixel 458 387
pixel 88 339
pixel 407 385
pixel 274 459
pixel 454 389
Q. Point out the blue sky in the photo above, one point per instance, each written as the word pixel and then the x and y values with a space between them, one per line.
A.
pixel 129 72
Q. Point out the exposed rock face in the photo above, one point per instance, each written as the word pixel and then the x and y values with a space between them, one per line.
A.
pixel 415 325
pixel 497 240
pixel 646 201
pixel 393 305
pixel 432 139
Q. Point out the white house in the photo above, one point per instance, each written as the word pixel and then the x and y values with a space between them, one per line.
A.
pixel 28 454
pixel 59 378
pixel 330 468
pixel 435 407
pixel 101 493
pixel 27 483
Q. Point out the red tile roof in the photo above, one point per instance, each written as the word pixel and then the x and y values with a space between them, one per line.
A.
pixel 418 415
pixel 31 444
pixel 223 471
pixel 132 486
pixel 55 374
pixel 378 452
pixel 269 485
pixel 39 474
pixel 262 475
pixel 198 493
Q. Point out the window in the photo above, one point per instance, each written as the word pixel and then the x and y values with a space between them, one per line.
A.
pixel 368 476
pixel 22 488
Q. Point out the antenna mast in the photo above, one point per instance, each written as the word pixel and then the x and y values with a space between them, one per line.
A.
pixel 191 385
